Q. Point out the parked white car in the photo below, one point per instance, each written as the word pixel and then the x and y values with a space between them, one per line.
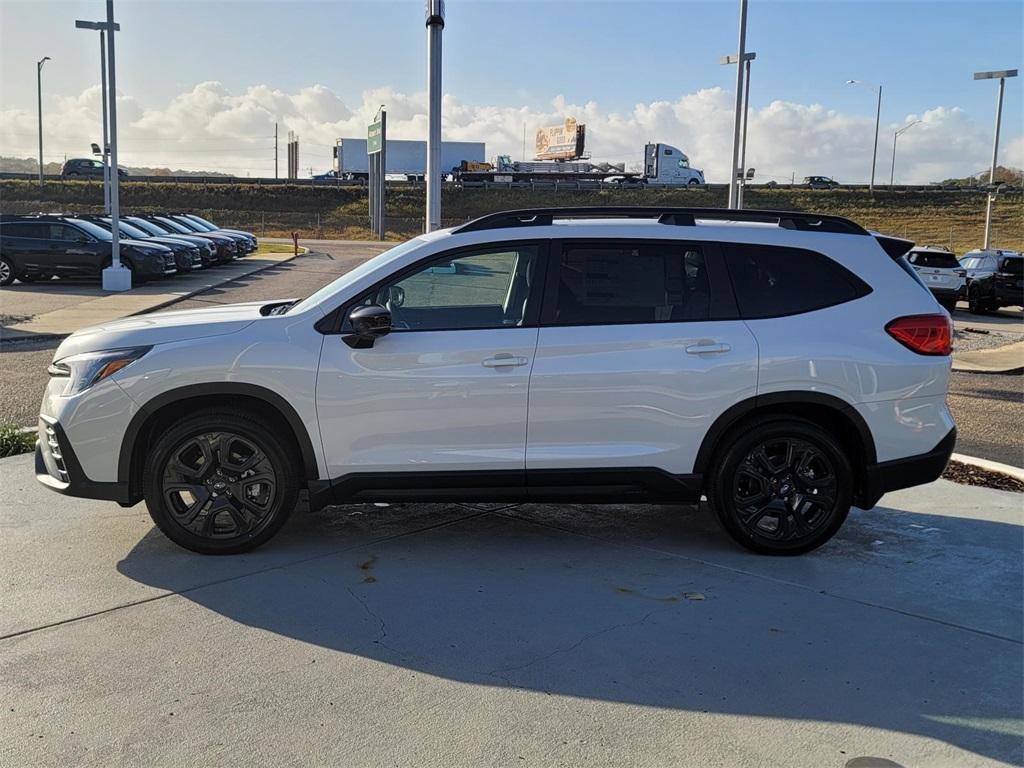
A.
pixel 785 365
pixel 941 273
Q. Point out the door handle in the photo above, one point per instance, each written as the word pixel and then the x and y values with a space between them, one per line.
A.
pixel 502 360
pixel 706 348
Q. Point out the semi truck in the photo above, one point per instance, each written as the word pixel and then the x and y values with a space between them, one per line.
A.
pixel 403 158
pixel 664 166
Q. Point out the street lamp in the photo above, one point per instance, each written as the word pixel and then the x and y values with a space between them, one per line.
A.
pixel 878 115
pixel 102 27
pixel 1001 75
pixel 742 173
pixel 896 135
pixel 39 96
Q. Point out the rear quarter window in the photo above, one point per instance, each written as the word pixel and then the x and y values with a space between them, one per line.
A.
pixel 774 281
pixel 1013 266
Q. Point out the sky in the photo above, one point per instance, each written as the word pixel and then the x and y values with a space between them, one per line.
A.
pixel 201 84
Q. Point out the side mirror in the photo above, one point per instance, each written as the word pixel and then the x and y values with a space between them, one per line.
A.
pixel 368 324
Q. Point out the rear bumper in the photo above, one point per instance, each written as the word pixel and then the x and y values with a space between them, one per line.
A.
pixel 948 293
pixel 887 476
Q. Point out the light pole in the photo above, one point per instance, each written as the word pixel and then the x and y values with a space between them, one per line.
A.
pixel 102 27
pixel 1001 75
pixel 737 116
pixel 896 135
pixel 435 24
pixel 742 173
pixel 878 115
pixel 39 97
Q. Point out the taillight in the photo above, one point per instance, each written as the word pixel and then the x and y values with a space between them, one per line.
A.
pixel 924 334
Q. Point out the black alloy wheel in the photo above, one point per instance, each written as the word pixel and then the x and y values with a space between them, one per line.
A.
pixel 6 271
pixel 220 483
pixel 782 487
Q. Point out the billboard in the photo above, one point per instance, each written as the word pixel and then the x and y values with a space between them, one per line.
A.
pixel 560 142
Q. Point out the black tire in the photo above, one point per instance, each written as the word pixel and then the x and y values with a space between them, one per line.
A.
pixel 212 504
pixel 975 304
pixel 6 271
pixel 948 304
pixel 806 490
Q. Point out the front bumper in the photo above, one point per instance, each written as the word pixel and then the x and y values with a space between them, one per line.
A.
pixel 58 468
pixel 907 472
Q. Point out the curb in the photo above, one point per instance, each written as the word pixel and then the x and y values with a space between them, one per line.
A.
pixel 24 337
pixel 961 368
pixel 992 466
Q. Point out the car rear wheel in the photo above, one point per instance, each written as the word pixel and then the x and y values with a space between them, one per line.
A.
pixel 781 486
pixel 220 482
pixel 6 271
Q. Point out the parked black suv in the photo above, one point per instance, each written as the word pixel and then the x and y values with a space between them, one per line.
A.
pixel 995 279
pixel 227 248
pixel 39 247
pixel 207 248
pixel 251 243
pixel 186 255
pixel 86 168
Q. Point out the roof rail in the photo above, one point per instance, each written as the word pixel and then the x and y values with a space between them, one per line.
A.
pixel 686 217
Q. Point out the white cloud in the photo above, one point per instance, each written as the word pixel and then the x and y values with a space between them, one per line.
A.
pixel 211 128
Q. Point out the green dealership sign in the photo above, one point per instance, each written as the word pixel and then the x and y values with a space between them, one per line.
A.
pixel 373 138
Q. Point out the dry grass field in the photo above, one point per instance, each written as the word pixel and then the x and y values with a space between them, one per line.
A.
pixel 939 217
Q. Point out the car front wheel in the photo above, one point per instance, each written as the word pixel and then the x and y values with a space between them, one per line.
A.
pixel 220 482
pixel 781 486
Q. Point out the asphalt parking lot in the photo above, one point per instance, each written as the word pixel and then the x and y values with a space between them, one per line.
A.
pixel 439 635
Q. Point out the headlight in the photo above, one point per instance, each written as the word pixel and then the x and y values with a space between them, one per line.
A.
pixel 82 371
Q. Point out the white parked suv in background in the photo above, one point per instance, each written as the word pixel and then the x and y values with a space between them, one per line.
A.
pixel 785 365
pixel 941 273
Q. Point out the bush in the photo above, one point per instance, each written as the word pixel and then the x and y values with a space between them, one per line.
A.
pixel 14 441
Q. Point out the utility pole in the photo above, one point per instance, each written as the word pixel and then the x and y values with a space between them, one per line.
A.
pixel 39 97
pixel 115 277
pixel 106 140
pixel 435 24
pixel 737 116
pixel 742 165
pixel 275 150
pixel 1001 76
pixel 878 117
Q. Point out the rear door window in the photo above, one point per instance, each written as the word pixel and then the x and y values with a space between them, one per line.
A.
pixel 1013 267
pixel 638 282
pixel 773 281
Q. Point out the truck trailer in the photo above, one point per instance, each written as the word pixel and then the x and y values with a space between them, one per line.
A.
pixel 664 166
pixel 404 158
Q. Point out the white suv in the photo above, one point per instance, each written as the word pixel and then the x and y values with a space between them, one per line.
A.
pixel 785 365
pixel 941 273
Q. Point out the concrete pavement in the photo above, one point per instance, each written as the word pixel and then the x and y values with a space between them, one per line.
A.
pixel 1008 359
pixel 61 307
pixel 445 635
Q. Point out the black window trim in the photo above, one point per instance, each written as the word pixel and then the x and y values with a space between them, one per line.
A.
pixel 861 288
pixel 333 323
pixel 721 301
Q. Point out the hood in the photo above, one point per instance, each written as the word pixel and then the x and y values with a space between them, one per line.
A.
pixel 142 244
pixel 160 328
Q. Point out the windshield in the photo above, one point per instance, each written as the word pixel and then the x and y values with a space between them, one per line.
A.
pixel 93 229
pixel 147 226
pixel 189 225
pixel 350 277
pixel 126 228
pixel 175 226
pixel 209 226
